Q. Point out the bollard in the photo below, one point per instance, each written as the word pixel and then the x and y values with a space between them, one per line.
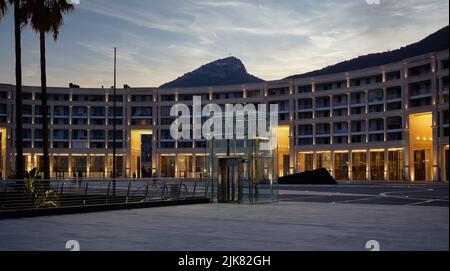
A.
pixel 4 195
pixel 61 193
pixel 85 194
pixel 128 192
pixel 146 192
pixel 195 189
pixel 107 193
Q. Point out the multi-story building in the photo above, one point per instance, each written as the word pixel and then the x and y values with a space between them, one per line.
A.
pixel 387 123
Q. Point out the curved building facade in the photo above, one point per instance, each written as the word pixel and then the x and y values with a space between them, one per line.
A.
pixel 385 123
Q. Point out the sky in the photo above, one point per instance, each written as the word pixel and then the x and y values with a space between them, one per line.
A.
pixel 159 40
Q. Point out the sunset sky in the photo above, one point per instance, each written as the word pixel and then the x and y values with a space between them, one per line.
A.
pixel 160 40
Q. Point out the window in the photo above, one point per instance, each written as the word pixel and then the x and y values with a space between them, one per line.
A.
pixel 141 111
pixel 376 125
pixel 305 141
pixel 419 70
pixel 323 129
pixel 60 134
pixel 305 115
pixel 394 93
pixel 377 166
pixel 358 98
pixel 376 138
pixel 142 98
pixel 58 97
pixel 395 123
pixel 167 98
pixel 322 102
pixel 394 106
pixel 376 96
pixel 358 126
pixel 305 130
pixel 304 89
pixel 323 141
pixel 61 111
pixel 395 136
pixel 79 135
pixel 340 100
pixel 358 139
pixel 97 135
pixel 304 104
pixel 88 98
pixel 395 75
pixel 98 111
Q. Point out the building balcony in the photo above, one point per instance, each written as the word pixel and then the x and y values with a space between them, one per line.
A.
pixel 422 96
pixel 398 130
pixel 340 133
pixel 79 115
pixel 358 104
pixel 394 99
pixel 376 102
pixel 322 107
pixel 322 134
pixel 60 139
pixel 340 106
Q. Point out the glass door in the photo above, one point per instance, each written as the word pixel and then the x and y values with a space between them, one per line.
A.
pixel 420 165
pixel 230 183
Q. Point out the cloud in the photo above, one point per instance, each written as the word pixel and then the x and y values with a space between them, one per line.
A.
pixel 161 40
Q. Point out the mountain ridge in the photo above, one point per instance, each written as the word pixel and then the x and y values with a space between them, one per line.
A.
pixel 226 71
pixel 438 41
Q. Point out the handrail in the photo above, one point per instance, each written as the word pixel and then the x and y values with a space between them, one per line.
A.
pixel 19 195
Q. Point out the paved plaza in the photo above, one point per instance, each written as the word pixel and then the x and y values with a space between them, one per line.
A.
pixel 292 224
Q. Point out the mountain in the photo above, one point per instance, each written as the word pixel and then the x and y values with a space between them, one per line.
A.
pixel 227 71
pixel 438 41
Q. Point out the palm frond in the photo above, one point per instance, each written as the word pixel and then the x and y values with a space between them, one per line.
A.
pixel 48 15
pixel 3 8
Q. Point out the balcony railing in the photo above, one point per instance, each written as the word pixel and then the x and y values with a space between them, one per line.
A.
pixel 77 192
pixel 420 93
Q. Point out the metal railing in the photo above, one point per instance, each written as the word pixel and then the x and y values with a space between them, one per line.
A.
pixel 23 195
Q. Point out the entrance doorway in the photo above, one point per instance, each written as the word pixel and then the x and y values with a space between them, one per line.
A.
pixel 421 146
pixel 230 181
pixel 420 165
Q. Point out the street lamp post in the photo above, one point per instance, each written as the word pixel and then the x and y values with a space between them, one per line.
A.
pixel 114 122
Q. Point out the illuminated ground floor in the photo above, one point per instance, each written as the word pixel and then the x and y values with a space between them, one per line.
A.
pixel 388 164
pixel 422 156
pixel 380 164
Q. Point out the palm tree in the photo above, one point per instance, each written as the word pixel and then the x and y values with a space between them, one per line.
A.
pixel 3 8
pixel 20 19
pixel 46 16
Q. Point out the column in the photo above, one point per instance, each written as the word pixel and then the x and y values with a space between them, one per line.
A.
pixel 70 166
pixel 10 164
pixel 88 166
pixel 349 103
pixel 436 158
pixel 386 165
pixel 368 162
pixel 314 161
pixel 292 139
pixel 407 166
pixel 333 172
pixel 106 166
pixel 331 106
pixel 350 166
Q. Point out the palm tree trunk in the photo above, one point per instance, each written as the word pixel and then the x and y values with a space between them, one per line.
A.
pixel 19 123
pixel 45 130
